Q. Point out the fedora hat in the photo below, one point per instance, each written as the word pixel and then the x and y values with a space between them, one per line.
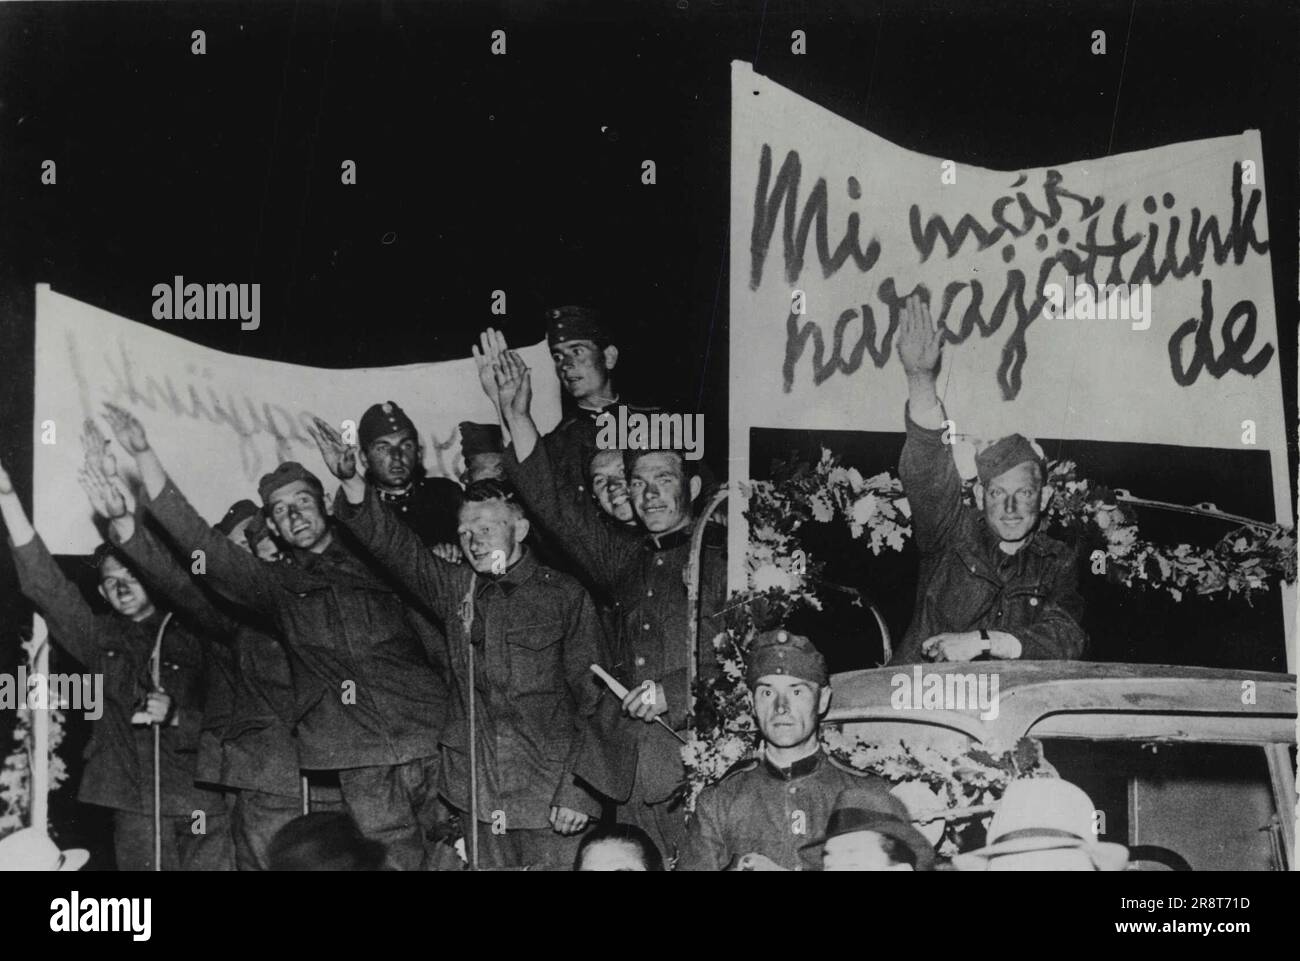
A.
pixel 861 809
pixel 30 849
pixel 1043 814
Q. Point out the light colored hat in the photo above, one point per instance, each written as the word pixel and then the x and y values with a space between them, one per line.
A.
pixel 1043 814
pixel 30 849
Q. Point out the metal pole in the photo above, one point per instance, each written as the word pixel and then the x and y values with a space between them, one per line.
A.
pixel 155 668
pixel 693 599
pixel 467 621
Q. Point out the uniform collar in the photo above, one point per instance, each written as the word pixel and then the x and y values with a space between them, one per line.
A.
pixel 664 542
pixel 800 768
pixel 516 574
pixel 991 545
pixel 594 412
pixel 389 497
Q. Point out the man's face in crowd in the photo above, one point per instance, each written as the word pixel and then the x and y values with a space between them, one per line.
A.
pixel 583 368
pixel 661 496
pixel 124 593
pixel 298 516
pixel 490 535
pixel 609 485
pixel 489 465
pixel 1013 502
pixel 391 460
pixel 858 851
pixel 612 855
pixel 788 707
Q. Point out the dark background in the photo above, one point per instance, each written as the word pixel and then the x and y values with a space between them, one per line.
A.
pixel 522 173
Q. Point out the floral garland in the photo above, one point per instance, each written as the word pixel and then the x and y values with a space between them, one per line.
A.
pixel 782 577
pixel 15 773
pixel 1242 562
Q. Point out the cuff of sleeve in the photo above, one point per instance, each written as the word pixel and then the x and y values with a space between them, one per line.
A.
pixel 344 509
pixel 570 796
pixel 678 696
pixel 935 433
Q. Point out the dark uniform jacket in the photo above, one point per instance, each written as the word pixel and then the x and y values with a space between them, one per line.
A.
pixel 966 582
pixel 760 808
pixel 535 635
pixel 570 447
pixel 119 758
pixel 645 574
pixel 246 741
pixel 429 507
pixel 369 682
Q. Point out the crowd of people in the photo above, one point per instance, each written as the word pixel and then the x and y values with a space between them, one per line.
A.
pixel 411 658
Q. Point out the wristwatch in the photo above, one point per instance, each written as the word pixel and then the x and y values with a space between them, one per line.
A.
pixel 988 642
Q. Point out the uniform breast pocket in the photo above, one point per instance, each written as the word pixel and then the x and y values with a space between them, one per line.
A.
pixel 535 656
pixel 1024 605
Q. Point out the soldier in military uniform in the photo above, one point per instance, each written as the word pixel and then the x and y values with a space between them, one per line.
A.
pixel 534 633
pixel 764 811
pixel 642 569
pixel 992 584
pixel 119 771
pixel 390 449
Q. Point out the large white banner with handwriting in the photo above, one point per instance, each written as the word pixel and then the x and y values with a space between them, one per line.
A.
pixel 219 421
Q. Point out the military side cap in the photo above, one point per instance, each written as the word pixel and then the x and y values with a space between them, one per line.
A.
pixel 239 512
pixel 781 652
pixel 286 473
pixel 1009 452
pixel 480 439
pixel 575 323
pixel 381 419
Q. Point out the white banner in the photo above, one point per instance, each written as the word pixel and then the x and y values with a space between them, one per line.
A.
pixel 219 421
pixel 832 227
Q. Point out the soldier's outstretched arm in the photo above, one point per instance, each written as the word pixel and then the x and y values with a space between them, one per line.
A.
pixel 70 619
pixel 232 572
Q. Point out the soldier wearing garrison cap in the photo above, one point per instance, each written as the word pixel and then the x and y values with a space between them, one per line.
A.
pixel 390 450
pixel 992 584
pixel 584 353
pixel 638 764
pixel 765 811
pixel 369 671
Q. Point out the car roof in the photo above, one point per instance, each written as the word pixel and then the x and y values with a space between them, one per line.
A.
pixel 1082 698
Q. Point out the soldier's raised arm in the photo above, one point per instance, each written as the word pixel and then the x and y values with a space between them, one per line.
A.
pixel 926 468
pixel 382 535
pixel 234 573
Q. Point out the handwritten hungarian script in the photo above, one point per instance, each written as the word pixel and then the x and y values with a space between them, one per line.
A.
pixel 219 420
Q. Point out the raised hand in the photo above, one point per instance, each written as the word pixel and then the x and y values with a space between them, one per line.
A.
pixel 448 552
pixel 919 343
pixel 491 345
pixel 6 485
pixel 340 458
pixel 94 445
pixel 127 429
pixel 107 497
pixel 514 383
